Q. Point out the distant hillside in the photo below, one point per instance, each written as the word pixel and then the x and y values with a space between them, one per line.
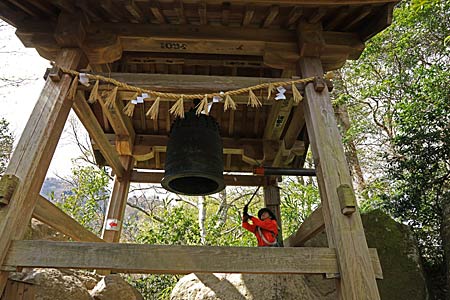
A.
pixel 56 186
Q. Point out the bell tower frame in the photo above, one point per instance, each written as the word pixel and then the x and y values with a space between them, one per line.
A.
pixel 192 48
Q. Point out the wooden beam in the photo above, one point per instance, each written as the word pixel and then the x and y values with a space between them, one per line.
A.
pixel 312 226
pixel 272 14
pixel 134 10
pixel 248 16
pixel 193 83
pixel 88 119
pixel 378 22
pixel 231 180
pixel 117 203
pixel 50 214
pixel 32 155
pixel 357 277
pixel 293 17
pixel 135 258
pixel 277 46
pixel 272 201
pixel 121 124
pixel 156 11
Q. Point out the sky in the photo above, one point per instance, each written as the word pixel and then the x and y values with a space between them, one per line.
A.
pixel 17 102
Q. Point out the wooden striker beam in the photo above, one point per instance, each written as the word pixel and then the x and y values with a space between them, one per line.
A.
pixel 33 154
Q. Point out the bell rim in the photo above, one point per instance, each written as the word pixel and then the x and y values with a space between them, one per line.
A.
pixel 168 178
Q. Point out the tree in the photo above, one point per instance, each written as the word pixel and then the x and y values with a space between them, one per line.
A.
pixel 397 97
pixel 6 144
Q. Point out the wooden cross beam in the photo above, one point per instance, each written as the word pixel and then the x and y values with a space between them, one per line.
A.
pixel 312 226
pixel 171 259
pixel 50 214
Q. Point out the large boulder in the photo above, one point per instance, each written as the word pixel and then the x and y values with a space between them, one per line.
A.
pixel 113 287
pixel 397 249
pixel 53 284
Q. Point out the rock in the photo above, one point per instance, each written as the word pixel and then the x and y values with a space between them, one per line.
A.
pixel 113 287
pixel 52 284
pixel 40 231
pixel 250 287
pixel 397 249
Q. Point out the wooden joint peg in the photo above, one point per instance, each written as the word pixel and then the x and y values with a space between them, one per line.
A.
pixel 8 184
pixel 347 199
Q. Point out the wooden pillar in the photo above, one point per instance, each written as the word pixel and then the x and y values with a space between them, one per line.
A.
pixel 345 232
pixel 112 227
pixel 272 202
pixel 32 156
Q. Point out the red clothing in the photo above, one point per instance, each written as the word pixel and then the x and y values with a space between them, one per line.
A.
pixel 269 230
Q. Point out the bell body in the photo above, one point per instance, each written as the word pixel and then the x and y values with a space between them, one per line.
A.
pixel 194 157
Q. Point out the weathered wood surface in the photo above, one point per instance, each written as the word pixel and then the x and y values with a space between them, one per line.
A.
pixel 357 279
pixel 312 226
pixel 87 118
pixel 272 201
pixel 18 290
pixel 118 201
pixel 33 154
pixel 171 259
pixel 50 214
pixel 193 83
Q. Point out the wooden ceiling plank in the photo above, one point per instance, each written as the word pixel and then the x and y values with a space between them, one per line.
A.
pixel 378 22
pixel 65 6
pixel 87 8
pixel 11 16
pixel 317 15
pixel 25 7
pixel 45 7
pixel 248 15
pixel 111 9
pixel 135 11
pixel 179 9
pixel 88 119
pixel 363 12
pixel 272 14
pixel 202 13
pixel 338 17
pixel 225 13
pixel 293 17
pixel 157 12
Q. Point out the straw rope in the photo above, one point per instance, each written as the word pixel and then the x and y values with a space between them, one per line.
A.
pixel 190 96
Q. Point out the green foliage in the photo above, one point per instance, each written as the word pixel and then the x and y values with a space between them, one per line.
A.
pixel 6 144
pixel 397 96
pixel 299 200
pixel 86 201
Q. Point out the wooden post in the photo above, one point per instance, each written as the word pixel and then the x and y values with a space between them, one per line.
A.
pixel 346 233
pixel 32 156
pixel 272 202
pixel 118 203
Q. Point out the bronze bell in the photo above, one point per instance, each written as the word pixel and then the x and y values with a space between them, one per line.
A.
pixel 194 157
